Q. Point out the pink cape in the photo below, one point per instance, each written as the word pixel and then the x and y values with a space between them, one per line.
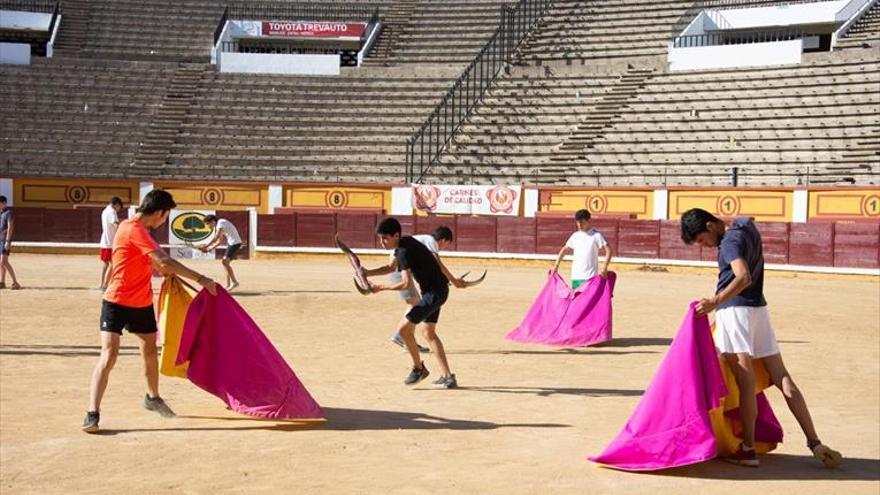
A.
pixel 671 425
pixel 566 317
pixel 230 357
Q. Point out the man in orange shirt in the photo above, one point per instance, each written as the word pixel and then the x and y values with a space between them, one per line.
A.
pixel 128 301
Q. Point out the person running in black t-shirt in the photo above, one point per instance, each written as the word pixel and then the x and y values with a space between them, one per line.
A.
pixel 413 260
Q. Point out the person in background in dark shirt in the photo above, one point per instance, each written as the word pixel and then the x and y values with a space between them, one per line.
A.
pixel 413 260
pixel 742 325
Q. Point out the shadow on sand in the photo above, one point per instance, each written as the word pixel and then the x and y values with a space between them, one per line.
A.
pixel 341 419
pixel 780 467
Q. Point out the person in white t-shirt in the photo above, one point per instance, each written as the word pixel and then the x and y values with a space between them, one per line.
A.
pixel 109 224
pixel 584 245
pixel 224 230
pixel 440 239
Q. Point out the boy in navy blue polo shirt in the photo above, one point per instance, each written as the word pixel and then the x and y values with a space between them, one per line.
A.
pixel 742 325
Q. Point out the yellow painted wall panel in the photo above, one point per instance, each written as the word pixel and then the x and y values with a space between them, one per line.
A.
pixel 338 197
pixel 763 205
pixel 63 193
pixel 598 202
pixel 218 196
pixel 844 204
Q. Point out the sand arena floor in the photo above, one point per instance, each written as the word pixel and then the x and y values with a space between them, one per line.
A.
pixel 522 422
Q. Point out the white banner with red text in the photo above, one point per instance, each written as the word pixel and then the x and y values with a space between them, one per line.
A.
pixel 314 29
pixel 467 200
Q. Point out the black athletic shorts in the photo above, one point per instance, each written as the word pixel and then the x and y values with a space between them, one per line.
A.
pixel 231 251
pixel 427 310
pixel 115 317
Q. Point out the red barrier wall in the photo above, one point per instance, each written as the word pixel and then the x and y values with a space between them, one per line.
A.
pixel 775 237
pixel 276 230
pixel 639 238
pixel 857 245
pixel 818 244
pixel 516 235
pixel 552 232
pixel 671 245
pixel 476 234
pixel 811 244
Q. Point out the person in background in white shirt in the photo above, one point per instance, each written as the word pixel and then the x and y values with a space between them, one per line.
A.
pixel 584 245
pixel 440 239
pixel 224 230
pixel 109 224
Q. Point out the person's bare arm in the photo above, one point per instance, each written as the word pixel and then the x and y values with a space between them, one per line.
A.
pixel 448 274
pixel 609 252
pixel 741 281
pixel 10 230
pixel 405 281
pixel 213 243
pixel 168 266
pixel 562 252
pixel 382 270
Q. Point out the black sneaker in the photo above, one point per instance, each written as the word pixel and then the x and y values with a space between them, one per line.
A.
pixel 449 382
pixel 158 405
pixel 417 375
pixel 90 424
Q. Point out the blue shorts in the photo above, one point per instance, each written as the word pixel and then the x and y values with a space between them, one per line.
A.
pixel 427 310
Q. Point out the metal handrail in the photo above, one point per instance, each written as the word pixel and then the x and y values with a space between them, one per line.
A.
pixel 718 38
pixel 426 145
pixel 218 31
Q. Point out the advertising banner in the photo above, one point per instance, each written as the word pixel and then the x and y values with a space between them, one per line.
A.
pixel 314 29
pixel 467 200
pixel 186 230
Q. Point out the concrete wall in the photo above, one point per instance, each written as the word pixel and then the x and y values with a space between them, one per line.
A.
pixel 15 53
pixel 265 63
pixel 746 55
pixel 15 19
pixel 784 15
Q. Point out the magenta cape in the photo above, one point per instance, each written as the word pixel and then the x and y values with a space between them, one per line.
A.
pixel 230 357
pixel 561 316
pixel 671 425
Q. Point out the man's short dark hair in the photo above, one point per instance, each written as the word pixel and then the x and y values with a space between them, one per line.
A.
pixel 2 198
pixel 389 226
pixel 210 218
pixel 443 233
pixel 582 215
pixel 116 200
pixel 157 200
pixel 693 223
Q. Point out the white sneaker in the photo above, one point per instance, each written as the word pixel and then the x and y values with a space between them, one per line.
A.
pixel 231 286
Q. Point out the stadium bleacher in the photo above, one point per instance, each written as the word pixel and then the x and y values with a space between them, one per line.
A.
pixel 587 100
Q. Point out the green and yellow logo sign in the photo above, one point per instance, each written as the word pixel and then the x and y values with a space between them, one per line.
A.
pixel 190 227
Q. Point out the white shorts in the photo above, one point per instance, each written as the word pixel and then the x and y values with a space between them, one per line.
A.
pixel 405 294
pixel 745 330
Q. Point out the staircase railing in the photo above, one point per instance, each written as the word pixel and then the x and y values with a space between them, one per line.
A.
pixel 426 145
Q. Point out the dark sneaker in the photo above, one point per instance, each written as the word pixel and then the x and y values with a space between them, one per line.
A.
pixel 417 375
pixel 449 382
pixel 158 405
pixel 397 339
pixel 439 381
pixel 90 424
pixel 828 456
pixel 742 457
